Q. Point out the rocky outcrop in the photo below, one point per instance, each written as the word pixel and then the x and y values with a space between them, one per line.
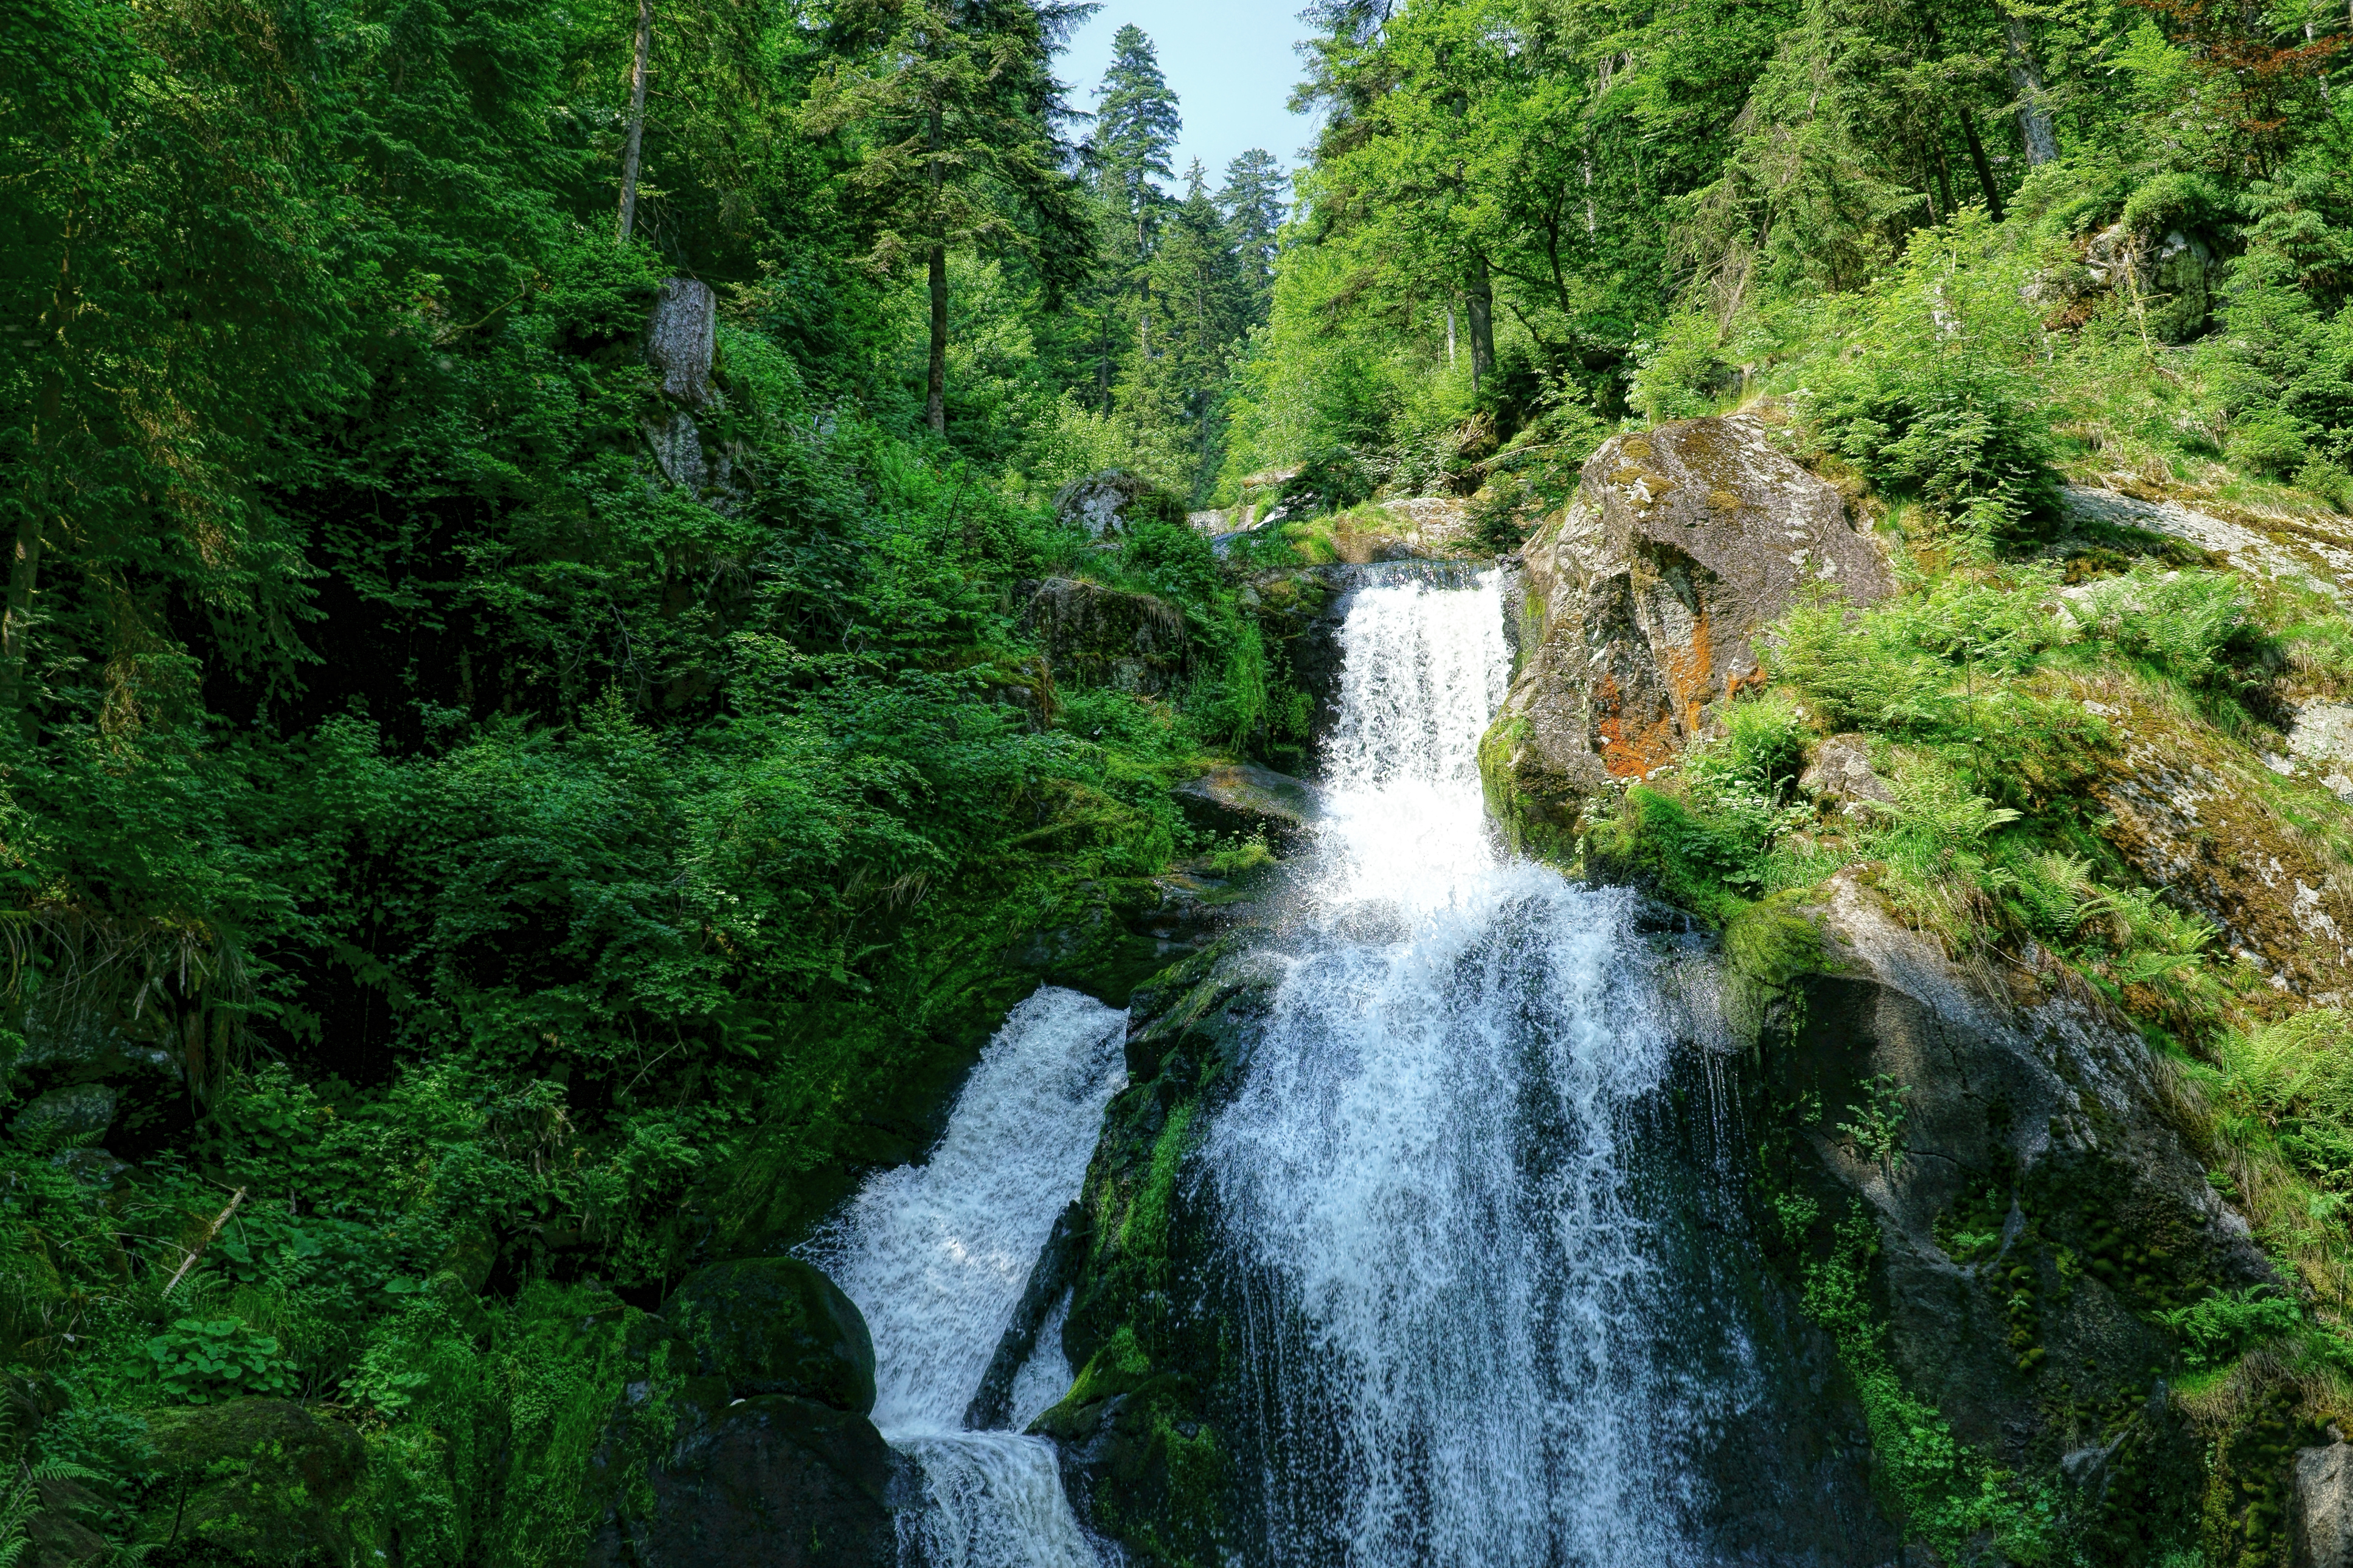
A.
pixel 2016 1148
pixel 776 1325
pixel 1840 769
pixel 2307 553
pixel 1241 800
pixel 1105 504
pixel 1098 637
pixel 1640 607
pixel 2204 820
pixel 680 335
pixel 2320 1519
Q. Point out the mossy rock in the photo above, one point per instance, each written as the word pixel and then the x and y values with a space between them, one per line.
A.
pixel 254 1480
pixel 767 1482
pixel 776 1325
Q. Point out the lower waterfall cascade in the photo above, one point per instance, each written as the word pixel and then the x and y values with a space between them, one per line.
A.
pixel 936 1255
pixel 1450 1288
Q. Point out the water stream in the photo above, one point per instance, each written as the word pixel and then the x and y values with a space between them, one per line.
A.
pixel 1428 1196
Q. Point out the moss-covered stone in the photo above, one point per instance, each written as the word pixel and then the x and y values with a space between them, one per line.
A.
pixel 254 1480
pixel 764 1483
pixel 777 1325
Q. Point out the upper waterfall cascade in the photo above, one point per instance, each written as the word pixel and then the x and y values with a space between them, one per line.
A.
pixel 1422 1185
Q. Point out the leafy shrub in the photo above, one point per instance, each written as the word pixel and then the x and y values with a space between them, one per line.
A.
pixel 1937 399
pixel 2269 441
pixel 199 1361
pixel 1678 375
pixel 1333 480
pixel 2220 1326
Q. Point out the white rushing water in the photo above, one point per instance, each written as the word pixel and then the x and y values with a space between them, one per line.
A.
pixel 1449 1294
pixel 1422 1184
pixel 936 1257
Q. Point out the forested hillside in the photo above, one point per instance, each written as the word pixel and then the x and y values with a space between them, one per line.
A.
pixel 496 818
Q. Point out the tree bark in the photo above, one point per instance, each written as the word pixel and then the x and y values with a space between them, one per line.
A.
pixel 1985 169
pixel 2033 119
pixel 935 407
pixel 637 120
pixel 935 402
pixel 1480 302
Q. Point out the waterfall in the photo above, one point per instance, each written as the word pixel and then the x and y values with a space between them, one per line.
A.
pixel 1448 1290
pixel 1472 1333
pixel 936 1257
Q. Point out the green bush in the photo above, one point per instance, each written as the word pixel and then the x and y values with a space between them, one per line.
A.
pixel 2198 627
pixel 1931 391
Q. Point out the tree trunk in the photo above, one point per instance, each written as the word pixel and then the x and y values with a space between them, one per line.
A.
pixel 1944 168
pixel 24 573
pixel 935 408
pixel 1449 334
pixel 24 559
pixel 637 120
pixel 1481 301
pixel 2033 118
pixel 1978 157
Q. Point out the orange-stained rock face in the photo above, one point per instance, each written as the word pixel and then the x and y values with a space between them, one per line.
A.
pixel 1644 600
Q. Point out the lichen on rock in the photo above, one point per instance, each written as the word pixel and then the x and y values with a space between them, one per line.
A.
pixel 1646 598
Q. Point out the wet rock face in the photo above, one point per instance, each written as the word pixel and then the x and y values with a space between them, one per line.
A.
pixel 777 1325
pixel 1094 635
pixel 1640 607
pixel 767 1482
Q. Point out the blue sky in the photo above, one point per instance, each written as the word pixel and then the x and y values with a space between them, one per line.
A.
pixel 1230 62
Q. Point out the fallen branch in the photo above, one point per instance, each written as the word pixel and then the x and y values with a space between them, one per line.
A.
pixel 198 1251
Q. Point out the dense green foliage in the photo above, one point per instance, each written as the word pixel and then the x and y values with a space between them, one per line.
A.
pixel 469 877
pixel 456 878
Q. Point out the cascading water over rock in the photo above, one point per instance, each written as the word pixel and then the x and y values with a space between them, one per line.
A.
pixel 1451 1295
pixel 936 1257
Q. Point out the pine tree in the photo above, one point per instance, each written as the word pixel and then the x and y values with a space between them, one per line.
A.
pixel 1252 201
pixel 959 120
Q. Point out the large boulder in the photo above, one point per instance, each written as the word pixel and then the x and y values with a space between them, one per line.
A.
pixel 1640 608
pixel 258 1481
pixel 1097 637
pixel 1105 504
pixel 776 1326
pixel 765 1483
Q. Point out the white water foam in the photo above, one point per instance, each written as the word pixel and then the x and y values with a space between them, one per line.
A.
pixel 936 1255
pixel 1450 1300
